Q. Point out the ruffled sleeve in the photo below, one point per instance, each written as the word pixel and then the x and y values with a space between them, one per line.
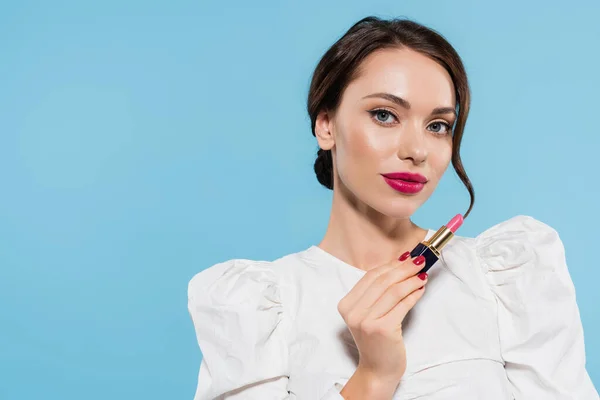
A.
pixel 242 328
pixel 541 335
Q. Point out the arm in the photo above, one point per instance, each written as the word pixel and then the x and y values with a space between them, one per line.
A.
pixel 541 334
pixel 363 386
pixel 242 328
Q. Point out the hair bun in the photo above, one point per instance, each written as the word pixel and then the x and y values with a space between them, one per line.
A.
pixel 324 168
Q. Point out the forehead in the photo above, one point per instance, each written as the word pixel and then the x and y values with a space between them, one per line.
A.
pixel 404 73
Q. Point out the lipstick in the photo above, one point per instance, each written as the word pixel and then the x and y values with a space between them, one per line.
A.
pixel 431 248
pixel 405 182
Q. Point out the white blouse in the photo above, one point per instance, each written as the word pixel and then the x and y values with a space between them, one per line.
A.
pixel 499 320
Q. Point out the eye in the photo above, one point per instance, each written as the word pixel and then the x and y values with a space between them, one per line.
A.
pixel 439 127
pixel 383 116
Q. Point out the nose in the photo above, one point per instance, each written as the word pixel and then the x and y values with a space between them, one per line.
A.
pixel 412 145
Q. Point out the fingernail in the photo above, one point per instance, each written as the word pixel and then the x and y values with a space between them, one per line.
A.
pixel 422 276
pixel 404 256
pixel 419 260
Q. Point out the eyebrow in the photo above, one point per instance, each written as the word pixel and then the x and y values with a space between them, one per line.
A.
pixel 405 104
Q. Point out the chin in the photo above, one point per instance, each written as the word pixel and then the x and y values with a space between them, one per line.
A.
pixel 399 208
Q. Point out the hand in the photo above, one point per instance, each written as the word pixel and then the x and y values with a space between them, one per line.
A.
pixel 374 310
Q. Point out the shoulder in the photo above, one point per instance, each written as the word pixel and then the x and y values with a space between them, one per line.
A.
pixel 518 241
pixel 232 278
pixel 237 280
pixel 519 236
pixel 521 228
pixel 520 247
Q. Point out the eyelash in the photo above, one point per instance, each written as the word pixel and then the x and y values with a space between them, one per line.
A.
pixel 375 111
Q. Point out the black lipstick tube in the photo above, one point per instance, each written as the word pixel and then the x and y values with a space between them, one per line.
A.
pixel 431 248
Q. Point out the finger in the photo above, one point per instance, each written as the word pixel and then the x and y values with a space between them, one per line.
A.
pixel 400 271
pixel 360 304
pixel 351 299
pixel 397 314
pixel 395 294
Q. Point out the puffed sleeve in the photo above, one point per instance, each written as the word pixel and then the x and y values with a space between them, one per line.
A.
pixel 541 335
pixel 242 329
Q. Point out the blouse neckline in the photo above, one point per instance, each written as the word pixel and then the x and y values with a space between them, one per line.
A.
pixel 318 252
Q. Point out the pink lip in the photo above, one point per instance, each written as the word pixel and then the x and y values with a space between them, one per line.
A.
pixel 405 182
pixel 406 176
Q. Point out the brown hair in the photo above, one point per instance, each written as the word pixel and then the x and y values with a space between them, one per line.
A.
pixel 339 65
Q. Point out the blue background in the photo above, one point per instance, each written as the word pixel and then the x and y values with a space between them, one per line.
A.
pixel 141 142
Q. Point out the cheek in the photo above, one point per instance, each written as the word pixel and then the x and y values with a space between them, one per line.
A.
pixel 440 159
pixel 363 142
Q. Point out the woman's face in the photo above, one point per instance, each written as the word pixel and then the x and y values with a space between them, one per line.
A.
pixel 395 117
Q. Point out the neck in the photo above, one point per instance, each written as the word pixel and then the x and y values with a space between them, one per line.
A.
pixel 365 238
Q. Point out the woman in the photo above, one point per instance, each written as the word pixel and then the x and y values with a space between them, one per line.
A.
pixel 499 318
